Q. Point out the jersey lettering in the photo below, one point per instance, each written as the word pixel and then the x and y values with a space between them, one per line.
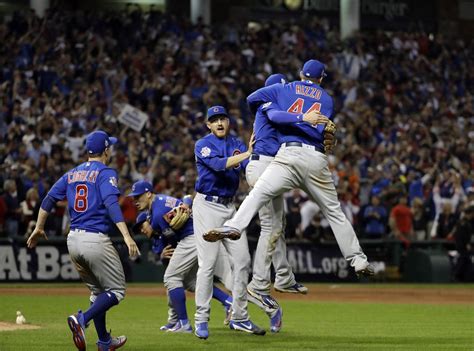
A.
pixel 309 91
pixel 315 107
pixel 297 106
pixel 80 200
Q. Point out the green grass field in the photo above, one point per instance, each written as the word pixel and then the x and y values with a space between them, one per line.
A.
pixel 307 325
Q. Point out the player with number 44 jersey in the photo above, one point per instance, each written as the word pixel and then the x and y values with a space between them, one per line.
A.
pixel 301 161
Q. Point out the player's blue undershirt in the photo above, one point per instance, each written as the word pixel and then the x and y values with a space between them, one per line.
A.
pixel 266 135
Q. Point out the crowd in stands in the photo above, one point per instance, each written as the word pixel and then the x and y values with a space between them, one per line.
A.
pixel 404 108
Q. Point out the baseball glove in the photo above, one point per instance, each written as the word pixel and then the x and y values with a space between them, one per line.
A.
pixel 181 215
pixel 330 136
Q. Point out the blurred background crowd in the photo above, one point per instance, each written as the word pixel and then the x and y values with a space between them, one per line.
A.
pixel 404 107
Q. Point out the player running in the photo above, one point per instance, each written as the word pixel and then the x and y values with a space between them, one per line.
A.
pixel 92 195
pixel 300 161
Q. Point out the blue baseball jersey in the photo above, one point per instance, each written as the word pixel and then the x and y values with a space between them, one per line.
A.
pixel 161 206
pixel 211 157
pixel 266 135
pixel 296 97
pixel 86 187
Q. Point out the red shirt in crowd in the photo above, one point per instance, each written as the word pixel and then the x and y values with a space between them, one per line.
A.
pixel 403 218
pixel 128 209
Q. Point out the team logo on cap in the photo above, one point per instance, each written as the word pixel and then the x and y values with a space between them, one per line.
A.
pixel 133 188
pixel 106 143
pixel 205 151
pixel 215 109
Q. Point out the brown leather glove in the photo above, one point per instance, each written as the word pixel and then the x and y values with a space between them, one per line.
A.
pixel 330 140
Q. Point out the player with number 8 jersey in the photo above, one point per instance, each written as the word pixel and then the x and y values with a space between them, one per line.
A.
pixel 91 190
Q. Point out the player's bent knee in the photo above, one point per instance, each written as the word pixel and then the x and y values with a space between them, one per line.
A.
pixel 172 282
pixel 92 298
pixel 119 293
pixel 190 286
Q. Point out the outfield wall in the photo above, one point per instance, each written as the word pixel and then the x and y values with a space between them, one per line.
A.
pixel 429 260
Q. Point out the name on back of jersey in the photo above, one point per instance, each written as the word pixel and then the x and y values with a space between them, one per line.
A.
pixel 309 91
pixel 82 176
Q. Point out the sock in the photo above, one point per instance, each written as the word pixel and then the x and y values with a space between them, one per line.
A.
pixel 221 296
pixel 99 323
pixel 101 304
pixel 178 299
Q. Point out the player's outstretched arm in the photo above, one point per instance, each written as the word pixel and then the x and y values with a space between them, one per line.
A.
pixel 235 160
pixel 133 250
pixel 115 213
pixel 58 191
pixel 38 232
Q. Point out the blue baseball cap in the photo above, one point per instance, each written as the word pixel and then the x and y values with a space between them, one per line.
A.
pixel 98 141
pixel 313 69
pixel 215 111
pixel 140 187
pixel 275 79
pixel 139 221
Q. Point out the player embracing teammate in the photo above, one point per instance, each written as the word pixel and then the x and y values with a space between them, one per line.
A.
pixel 301 161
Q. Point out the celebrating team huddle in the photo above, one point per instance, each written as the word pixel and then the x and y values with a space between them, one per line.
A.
pixel 204 238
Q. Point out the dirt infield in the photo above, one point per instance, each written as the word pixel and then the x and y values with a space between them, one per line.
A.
pixel 336 293
pixel 5 326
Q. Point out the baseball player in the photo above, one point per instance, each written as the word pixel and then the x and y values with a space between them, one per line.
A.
pixel 271 246
pixel 170 218
pixel 219 160
pixel 300 162
pixel 223 272
pixel 92 195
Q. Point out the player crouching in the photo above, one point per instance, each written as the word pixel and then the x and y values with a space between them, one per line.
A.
pixel 171 220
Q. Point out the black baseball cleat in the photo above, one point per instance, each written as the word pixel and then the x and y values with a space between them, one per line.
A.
pixel 368 271
pixel 222 233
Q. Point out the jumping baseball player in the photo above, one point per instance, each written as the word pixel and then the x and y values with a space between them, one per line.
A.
pixel 92 194
pixel 219 160
pixel 300 162
pixel 170 218
pixel 271 246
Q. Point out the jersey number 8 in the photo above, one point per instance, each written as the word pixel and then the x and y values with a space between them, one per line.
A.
pixel 80 201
